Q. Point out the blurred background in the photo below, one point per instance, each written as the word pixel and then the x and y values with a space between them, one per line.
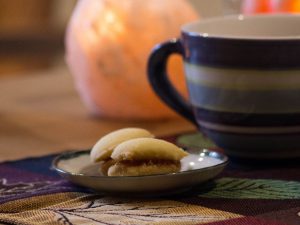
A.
pixel 32 32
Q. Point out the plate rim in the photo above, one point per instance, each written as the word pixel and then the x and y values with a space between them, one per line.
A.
pixel 221 156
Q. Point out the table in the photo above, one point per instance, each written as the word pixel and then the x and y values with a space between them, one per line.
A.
pixel 41 113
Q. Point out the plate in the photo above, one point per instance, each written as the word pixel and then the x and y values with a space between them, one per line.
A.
pixel 199 166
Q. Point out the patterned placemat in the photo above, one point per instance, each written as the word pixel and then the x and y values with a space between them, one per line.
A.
pixel 32 193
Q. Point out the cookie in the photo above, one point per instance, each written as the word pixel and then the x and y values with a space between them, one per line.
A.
pixel 103 149
pixel 145 156
pixel 147 149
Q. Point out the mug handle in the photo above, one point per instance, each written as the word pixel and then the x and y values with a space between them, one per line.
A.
pixel 158 78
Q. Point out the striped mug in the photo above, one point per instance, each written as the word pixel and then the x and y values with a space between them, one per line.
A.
pixel 243 78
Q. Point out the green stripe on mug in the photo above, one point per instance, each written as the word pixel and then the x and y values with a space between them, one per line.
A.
pixel 242 79
pixel 244 101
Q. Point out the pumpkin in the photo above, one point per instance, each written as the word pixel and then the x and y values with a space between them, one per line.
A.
pixel 108 43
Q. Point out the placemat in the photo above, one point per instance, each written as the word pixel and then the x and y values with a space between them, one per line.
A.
pixel 32 193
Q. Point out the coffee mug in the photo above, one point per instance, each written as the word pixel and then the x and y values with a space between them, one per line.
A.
pixel 243 78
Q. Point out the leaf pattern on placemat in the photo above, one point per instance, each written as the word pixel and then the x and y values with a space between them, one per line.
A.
pixel 102 210
pixel 236 188
pixel 77 208
pixel 11 189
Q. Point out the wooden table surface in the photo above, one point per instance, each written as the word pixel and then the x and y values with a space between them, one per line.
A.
pixel 42 114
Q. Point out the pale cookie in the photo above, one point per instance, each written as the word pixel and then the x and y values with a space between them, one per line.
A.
pixel 147 149
pixel 103 149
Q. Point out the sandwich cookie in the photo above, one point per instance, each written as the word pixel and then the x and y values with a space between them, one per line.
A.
pixel 145 156
pixel 102 150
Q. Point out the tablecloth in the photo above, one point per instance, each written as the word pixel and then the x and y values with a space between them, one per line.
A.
pixel 31 192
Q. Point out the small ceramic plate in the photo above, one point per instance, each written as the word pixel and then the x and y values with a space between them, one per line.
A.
pixel 198 167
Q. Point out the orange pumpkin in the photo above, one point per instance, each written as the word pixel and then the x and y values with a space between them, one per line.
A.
pixel 108 43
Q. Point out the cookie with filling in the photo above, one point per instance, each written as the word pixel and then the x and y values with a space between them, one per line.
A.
pixel 145 156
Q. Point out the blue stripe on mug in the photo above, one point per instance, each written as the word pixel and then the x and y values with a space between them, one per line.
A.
pixel 226 52
pixel 263 130
pixel 247 120
pixel 256 145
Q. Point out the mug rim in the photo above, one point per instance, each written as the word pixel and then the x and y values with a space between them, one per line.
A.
pixel 186 28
